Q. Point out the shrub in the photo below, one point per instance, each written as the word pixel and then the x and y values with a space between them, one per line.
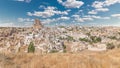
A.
pixel 84 39
pixel 118 46
pixel 98 39
pixel 112 37
pixel 110 46
pixel 53 51
pixel 95 39
pixel 88 34
pixel 62 26
pixel 69 38
pixel 64 48
pixel 31 48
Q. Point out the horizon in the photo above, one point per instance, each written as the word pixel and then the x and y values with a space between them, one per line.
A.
pixel 21 13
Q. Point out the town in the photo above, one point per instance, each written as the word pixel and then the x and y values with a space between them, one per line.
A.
pixel 63 39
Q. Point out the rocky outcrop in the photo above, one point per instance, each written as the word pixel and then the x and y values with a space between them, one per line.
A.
pixel 37 24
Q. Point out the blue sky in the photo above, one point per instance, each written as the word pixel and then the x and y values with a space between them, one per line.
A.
pixel 60 12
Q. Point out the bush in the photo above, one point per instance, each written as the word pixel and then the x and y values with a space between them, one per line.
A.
pixel 98 39
pixel 88 34
pixel 69 38
pixel 31 48
pixel 110 46
pixel 62 26
pixel 64 48
pixel 84 39
pixel 95 39
pixel 53 51
pixel 118 46
pixel 112 37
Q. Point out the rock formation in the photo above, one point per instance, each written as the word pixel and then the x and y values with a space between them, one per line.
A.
pixel 37 24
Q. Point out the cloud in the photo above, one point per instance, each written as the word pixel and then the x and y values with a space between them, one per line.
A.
pixel 82 19
pixel 25 20
pixel 102 9
pixel 92 12
pixel 116 15
pixel 96 17
pixel 48 21
pixel 87 18
pixel 106 3
pixel 64 18
pixel 105 17
pixel 10 24
pixel 42 6
pixel 71 3
pixel 48 12
pixel 100 6
pixel 27 1
pixel 110 2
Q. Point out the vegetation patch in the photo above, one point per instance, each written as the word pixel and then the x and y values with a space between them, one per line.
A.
pixel 110 46
pixel 31 48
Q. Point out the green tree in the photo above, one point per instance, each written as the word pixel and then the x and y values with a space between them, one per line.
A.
pixel 31 48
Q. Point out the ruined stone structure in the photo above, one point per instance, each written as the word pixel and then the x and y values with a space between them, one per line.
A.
pixel 37 24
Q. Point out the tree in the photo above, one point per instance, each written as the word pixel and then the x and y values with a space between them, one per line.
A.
pixel 31 48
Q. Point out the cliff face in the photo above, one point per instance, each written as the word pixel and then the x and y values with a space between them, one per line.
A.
pixel 37 24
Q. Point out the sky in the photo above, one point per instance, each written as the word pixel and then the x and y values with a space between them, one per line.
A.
pixel 60 12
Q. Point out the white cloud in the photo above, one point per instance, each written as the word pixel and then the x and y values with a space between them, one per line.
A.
pixel 92 12
pixel 27 1
pixel 115 15
pixel 100 5
pixel 47 21
pixel 96 17
pixel 97 4
pixel 75 16
pixel 64 18
pixel 105 17
pixel 87 18
pixel 111 2
pixel 42 6
pixel 102 9
pixel 48 12
pixel 10 24
pixel 25 20
pixel 82 19
pixel 19 0
pixel 71 3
